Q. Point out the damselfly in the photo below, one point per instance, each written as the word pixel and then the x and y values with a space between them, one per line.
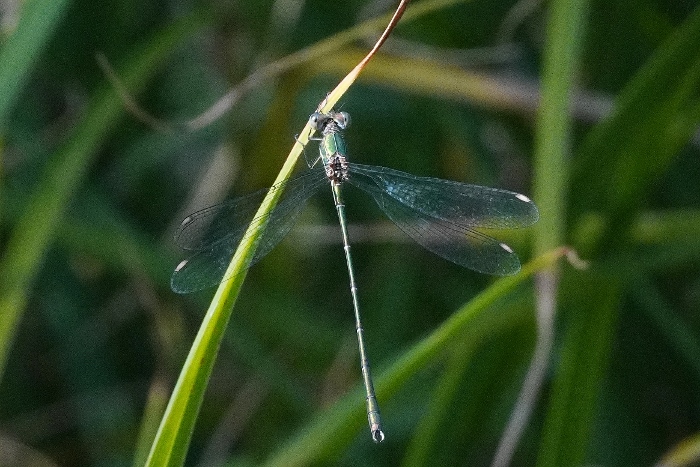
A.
pixel 445 217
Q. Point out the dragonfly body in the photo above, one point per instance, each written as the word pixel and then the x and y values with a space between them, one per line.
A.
pixel 445 217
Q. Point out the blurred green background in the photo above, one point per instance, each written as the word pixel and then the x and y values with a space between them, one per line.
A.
pixel 93 338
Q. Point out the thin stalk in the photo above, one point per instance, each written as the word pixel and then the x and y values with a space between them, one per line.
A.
pixel 552 146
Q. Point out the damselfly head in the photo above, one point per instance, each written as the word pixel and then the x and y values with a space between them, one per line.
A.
pixel 318 120
pixel 342 119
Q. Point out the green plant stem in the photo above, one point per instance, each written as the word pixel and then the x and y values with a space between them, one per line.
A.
pixel 554 124
pixel 552 147
pixel 565 31
pixel 552 141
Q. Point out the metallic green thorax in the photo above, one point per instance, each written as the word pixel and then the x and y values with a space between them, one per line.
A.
pixel 331 145
pixel 333 153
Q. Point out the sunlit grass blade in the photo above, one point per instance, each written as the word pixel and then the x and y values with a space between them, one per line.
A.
pixel 684 454
pixel 324 438
pixel 174 433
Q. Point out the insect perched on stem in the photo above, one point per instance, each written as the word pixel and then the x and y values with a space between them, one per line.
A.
pixel 440 215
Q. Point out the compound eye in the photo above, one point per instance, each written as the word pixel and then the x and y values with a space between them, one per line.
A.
pixel 342 119
pixel 317 120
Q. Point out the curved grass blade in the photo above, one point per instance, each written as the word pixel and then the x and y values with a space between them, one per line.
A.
pixel 216 231
pixel 443 223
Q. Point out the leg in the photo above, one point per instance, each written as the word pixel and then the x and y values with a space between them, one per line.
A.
pixel 303 146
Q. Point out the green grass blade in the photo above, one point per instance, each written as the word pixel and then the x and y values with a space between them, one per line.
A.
pixel 427 433
pixel 327 435
pixel 172 440
pixel 554 123
pixel 175 431
pixel 19 53
pixel 654 116
pixel 61 178
pixel 618 161
pixel 565 32
pixel 582 364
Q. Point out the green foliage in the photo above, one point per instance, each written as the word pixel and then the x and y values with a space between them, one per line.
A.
pixel 93 340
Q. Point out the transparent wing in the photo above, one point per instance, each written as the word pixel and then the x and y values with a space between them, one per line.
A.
pixel 467 206
pixel 441 215
pixel 206 226
pixel 216 231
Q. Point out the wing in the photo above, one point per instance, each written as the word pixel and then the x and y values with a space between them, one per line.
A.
pixel 440 215
pixel 209 225
pixel 468 206
pixel 215 232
